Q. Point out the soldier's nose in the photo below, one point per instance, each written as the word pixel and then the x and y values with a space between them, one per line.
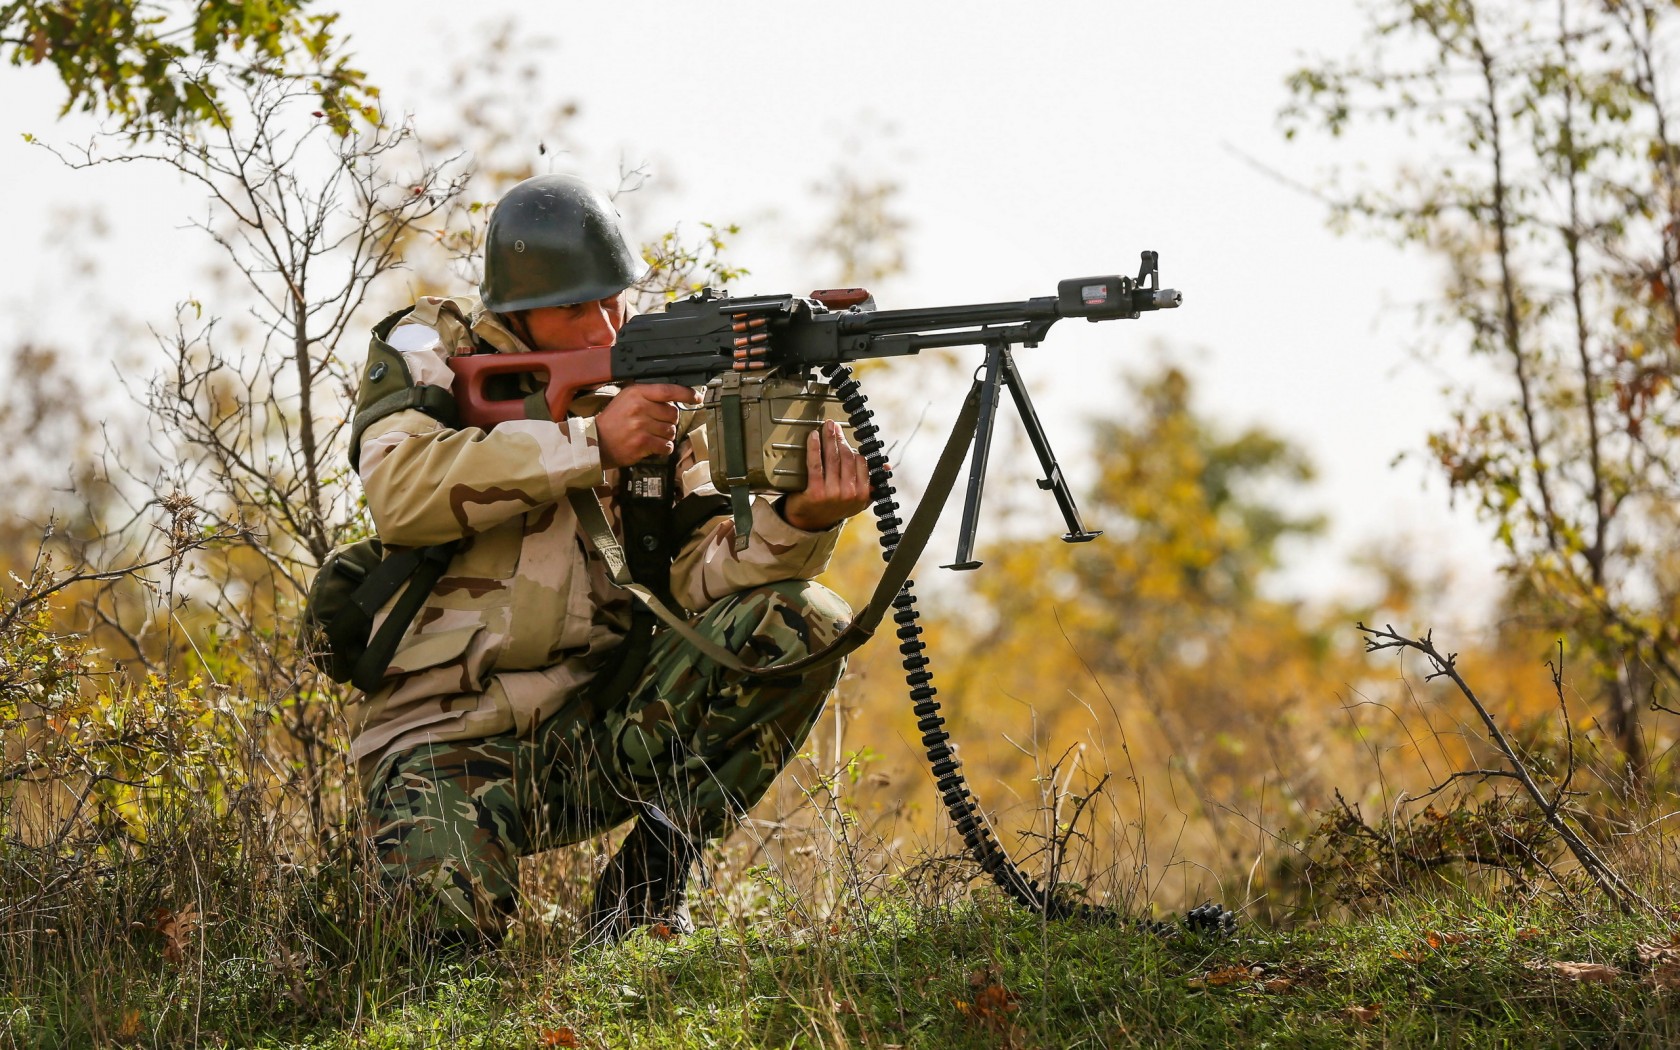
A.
pixel 600 325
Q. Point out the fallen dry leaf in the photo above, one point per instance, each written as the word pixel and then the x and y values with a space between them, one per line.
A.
pixel 130 1026
pixel 1665 976
pixel 1278 984
pixel 1437 940
pixel 1365 1014
pixel 1651 953
pixel 561 1036
pixel 661 931
pixel 1527 933
pixel 994 1004
pixel 176 929
pixel 1221 977
pixel 1579 971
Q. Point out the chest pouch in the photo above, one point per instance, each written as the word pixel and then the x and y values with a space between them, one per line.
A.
pixel 758 425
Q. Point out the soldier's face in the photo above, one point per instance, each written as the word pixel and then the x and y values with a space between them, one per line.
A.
pixel 576 327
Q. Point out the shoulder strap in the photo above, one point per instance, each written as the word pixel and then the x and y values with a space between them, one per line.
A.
pixel 735 457
pixel 422 567
pixel 435 401
pixel 387 388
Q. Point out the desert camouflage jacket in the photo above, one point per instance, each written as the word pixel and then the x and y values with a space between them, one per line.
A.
pixel 525 610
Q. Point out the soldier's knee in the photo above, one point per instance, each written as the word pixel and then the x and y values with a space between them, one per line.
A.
pixel 441 845
pixel 810 612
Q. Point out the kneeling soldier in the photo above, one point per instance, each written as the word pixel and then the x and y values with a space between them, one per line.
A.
pixel 528 705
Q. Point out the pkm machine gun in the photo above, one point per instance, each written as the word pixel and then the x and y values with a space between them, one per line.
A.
pixel 723 342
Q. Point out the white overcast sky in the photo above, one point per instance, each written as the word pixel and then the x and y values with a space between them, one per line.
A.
pixel 1033 142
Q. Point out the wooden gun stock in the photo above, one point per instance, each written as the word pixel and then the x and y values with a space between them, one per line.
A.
pixel 563 372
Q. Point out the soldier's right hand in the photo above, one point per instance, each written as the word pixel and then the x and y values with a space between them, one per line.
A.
pixel 641 421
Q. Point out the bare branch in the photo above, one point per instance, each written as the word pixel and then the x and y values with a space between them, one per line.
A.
pixel 1445 666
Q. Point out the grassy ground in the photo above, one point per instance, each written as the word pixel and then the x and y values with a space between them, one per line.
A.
pixel 980 975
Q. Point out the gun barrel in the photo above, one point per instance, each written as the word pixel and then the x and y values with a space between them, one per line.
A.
pixel 893 322
pixel 1168 299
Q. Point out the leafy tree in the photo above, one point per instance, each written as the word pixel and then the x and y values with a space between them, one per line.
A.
pixel 1545 180
pixel 164 63
pixel 1168 603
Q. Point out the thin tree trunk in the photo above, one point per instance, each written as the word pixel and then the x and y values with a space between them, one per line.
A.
pixel 1511 323
pixel 1624 712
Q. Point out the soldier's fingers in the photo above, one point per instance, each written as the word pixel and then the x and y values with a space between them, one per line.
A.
pixel 837 451
pixel 657 429
pixel 843 456
pixel 860 474
pixel 662 411
pixel 832 465
pixel 815 484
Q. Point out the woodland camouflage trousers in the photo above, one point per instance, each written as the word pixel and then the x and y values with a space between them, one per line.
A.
pixel 701 743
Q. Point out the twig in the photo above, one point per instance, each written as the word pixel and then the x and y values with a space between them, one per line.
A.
pixel 1484 774
pixel 37 597
pixel 1445 665
pixel 1568 730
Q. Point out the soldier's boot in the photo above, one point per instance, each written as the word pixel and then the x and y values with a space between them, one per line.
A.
pixel 644 885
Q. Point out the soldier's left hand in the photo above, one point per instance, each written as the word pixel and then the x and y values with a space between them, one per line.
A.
pixel 837 482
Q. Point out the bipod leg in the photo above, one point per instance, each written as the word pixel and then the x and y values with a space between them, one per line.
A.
pixel 996 354
pixel 1052 480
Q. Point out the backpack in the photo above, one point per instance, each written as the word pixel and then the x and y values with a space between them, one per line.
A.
pixel 355 582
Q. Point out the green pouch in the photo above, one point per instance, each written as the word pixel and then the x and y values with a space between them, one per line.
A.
pixel 354 583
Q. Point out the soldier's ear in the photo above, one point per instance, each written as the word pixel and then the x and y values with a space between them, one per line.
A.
pixel 519 324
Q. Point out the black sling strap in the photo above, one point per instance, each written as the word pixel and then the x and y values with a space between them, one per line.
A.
pixel 421 568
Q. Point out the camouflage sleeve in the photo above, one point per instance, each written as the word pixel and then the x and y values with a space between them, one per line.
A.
pixel 708 567
pixel 427 483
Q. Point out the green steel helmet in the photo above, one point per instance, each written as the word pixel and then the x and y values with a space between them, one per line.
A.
pixel 555 240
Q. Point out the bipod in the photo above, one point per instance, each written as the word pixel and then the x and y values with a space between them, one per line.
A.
pixel 1000 373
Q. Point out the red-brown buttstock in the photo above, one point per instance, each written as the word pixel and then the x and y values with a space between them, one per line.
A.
pixel 563 372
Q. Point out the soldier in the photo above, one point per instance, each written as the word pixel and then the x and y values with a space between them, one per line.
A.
pixel 495 732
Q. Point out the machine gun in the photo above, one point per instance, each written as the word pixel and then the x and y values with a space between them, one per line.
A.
pixel 732 344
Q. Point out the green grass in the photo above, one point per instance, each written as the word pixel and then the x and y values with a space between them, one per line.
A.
pixel 979 975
